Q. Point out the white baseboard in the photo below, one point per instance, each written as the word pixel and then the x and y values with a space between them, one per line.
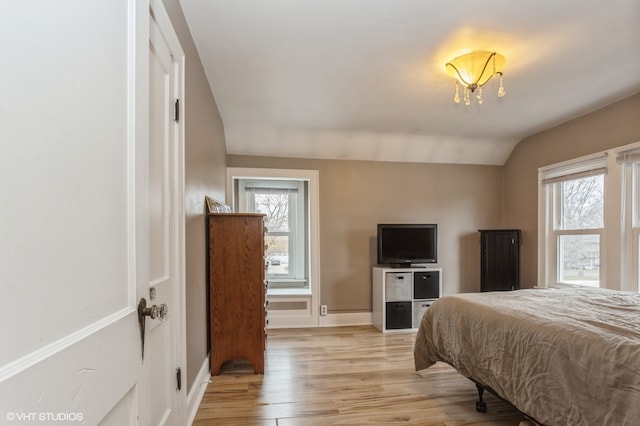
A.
pixel 341 320
pixel 197 391
pixel 331 320
pixel 290 321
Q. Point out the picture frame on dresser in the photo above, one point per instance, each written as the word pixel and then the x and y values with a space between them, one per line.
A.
pixel 215 206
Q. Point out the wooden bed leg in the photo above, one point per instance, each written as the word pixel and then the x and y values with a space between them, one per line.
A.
pixel 481 406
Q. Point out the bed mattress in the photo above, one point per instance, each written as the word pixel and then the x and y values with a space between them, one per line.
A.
pixel 564 357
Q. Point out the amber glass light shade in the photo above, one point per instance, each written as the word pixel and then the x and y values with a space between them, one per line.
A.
pixel 473 70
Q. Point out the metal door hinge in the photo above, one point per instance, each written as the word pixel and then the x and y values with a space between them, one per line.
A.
pixel 178 378
pixel 177 111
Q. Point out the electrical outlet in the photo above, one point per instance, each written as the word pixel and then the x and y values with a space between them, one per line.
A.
pixel 323 310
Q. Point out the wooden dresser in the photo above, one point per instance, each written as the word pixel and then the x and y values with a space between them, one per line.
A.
pixel 237 289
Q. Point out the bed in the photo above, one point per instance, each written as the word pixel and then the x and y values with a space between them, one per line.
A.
pixel 560 356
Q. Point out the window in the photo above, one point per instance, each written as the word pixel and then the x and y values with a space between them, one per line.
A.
pixel 630 164
pixel 579 225
pixel 284 203
pixel 574 195
pixel 589 221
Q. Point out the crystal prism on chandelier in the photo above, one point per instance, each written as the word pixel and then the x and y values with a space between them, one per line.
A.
pixel 474 70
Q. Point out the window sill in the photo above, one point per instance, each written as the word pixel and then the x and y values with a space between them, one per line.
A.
pixel 288 292
pixel 574 285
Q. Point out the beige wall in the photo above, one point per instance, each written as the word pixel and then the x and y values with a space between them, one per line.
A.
pixel 357 195
pixel 205 174
pixel 615 125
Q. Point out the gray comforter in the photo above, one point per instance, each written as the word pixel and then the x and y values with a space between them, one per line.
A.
pixel 564 357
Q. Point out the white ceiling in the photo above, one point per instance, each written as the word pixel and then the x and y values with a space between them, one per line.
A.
pixel 365 79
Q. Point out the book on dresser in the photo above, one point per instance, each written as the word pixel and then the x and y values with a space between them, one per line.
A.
pixel 237 289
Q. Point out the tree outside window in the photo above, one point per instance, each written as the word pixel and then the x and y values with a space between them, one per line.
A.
pixel 278 234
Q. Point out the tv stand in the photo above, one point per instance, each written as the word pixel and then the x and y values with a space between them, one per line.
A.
pixel 400 265
pixel 400 295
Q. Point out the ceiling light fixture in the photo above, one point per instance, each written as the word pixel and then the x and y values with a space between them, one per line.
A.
pixel 473 70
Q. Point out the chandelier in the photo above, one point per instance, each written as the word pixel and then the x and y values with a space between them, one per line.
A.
pixel 474 70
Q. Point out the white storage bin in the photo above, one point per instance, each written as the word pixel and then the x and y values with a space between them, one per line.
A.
pixel 398 286
pixel 419 308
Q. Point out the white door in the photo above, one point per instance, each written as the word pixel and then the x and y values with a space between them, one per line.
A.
pixel 164 231
pixel 76 220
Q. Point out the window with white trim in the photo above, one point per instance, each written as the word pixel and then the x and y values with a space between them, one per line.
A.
pixel 574 195
pixel 629 161
pixel 589 221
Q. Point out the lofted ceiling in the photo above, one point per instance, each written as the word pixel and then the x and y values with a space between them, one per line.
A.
pixel 365 79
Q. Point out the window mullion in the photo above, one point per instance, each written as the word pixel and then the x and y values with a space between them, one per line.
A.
pixel 585 231
pixel 556 207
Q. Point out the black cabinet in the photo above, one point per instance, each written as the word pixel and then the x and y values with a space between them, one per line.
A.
pixel 499 259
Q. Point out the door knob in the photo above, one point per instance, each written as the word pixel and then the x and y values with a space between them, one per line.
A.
pixel 153 311
pixel 143 313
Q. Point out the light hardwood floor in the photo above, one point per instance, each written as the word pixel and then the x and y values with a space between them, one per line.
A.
pixel 345 376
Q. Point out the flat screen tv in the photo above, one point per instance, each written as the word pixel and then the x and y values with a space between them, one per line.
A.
pixel 405 244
